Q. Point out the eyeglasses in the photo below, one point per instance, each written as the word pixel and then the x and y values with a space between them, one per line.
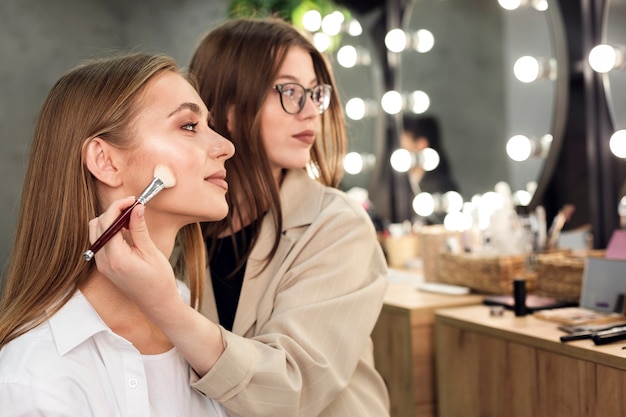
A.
pixel 293 96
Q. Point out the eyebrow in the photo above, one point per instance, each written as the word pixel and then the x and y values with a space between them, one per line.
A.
pixel 190 106
pixel 295 80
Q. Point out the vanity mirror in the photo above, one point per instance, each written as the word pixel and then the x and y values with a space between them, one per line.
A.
pixel 474 92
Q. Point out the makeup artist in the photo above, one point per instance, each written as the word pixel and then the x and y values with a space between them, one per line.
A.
pixel 71 343
pixel 297 277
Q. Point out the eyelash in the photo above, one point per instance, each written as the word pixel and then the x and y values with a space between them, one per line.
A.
pixel 192 125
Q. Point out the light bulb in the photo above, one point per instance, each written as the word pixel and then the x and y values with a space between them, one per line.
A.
pixel 519 148
pixel 312 20
pixel 522 197
pixel 321 41
pixel 603 58
pixel 617 143
pixel 420 102
pixel 424 41
pixel 457 221
pixel 527 69
pixel 347 56
pixel 401 160
pixel 424 204
pixel 354 28
pixel 452 201
pixel 392 102
pixel 430 159
pixel 510 4
pixel 396 40
pixel 355 108
pixel 331 23
pixel 353 163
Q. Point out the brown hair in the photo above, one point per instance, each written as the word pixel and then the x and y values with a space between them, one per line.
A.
pixel 59 197
pixel 235 65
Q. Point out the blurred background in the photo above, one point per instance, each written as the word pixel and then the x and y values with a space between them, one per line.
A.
pixel 510 84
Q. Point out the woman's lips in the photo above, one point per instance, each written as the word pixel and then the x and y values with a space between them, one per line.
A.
pixel 306 136
pixel 218 179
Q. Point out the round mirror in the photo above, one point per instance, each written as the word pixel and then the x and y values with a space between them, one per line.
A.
pixel 469 75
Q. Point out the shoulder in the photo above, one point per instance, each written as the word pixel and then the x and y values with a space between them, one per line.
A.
pixel 307 200
pixel 25 353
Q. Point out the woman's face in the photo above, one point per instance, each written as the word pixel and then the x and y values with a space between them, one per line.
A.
pixel 172 130
pixel 288 137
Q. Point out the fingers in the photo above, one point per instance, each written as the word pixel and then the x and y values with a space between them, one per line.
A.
pixel 99 224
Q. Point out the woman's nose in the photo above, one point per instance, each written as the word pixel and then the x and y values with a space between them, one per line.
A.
pixel 220 147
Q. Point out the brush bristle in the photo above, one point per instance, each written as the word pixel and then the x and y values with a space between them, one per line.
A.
pixel 165 174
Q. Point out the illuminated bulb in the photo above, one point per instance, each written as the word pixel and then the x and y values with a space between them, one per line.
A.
pixel 519 148
pixel 354 28
pixel 401 160
pixel 420 102
pixel 331 23
pixel 527 69
pixel 392 102
pixel 452 201
pixel 424 204
pixel 321 41
pixel 312 20
pixel 347 56
pixel 510 4
pixel 603 58
pixel 424 41
pixel 457 221
pixel 353 163
pixel 617 143
pixel 355 108
pixel 522 197
pixel 430 159
pixel 541 5
pixel 396 40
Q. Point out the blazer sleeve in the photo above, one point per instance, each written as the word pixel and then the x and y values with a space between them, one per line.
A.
pixel 305 356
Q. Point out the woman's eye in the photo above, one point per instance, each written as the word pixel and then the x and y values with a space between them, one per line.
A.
pixel 190 126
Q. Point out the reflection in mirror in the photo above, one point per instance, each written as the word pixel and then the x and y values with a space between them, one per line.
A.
pixel 474 92
pixel 358 77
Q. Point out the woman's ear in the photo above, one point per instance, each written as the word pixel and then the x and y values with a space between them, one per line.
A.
pixel 230 119
pixel 100 161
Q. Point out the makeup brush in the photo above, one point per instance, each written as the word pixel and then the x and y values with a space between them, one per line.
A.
pixel 163 178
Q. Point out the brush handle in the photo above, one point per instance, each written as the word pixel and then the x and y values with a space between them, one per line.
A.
pixel 122 221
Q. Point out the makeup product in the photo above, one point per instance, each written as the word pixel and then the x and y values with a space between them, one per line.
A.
pixel 519 297
pixel 557 225
pixel 163 178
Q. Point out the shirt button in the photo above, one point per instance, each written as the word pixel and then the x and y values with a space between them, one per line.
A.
pixel 132 382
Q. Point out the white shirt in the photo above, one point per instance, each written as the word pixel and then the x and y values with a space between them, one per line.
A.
pixel 73 365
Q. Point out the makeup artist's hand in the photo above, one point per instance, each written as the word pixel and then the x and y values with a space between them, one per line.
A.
pixel 132 261
pixel 140 270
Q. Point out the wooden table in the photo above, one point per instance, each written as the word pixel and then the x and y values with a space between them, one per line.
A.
pixel 516 366
pixel 404 346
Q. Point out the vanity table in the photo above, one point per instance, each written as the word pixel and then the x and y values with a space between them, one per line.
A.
pixel 516 366
pixel 404 346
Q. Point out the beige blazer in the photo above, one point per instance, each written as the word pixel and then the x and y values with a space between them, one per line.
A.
pixel 300 344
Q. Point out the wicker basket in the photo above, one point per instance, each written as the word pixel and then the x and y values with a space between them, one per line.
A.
pixel 434 240
pixel 488 274
pixel 560 275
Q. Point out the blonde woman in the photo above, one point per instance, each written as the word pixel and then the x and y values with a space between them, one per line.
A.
pixel 71 343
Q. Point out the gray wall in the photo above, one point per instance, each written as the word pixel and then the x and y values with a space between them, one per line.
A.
pixel 40 40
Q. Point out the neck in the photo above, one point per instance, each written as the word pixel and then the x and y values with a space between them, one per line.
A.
pixel 123 316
